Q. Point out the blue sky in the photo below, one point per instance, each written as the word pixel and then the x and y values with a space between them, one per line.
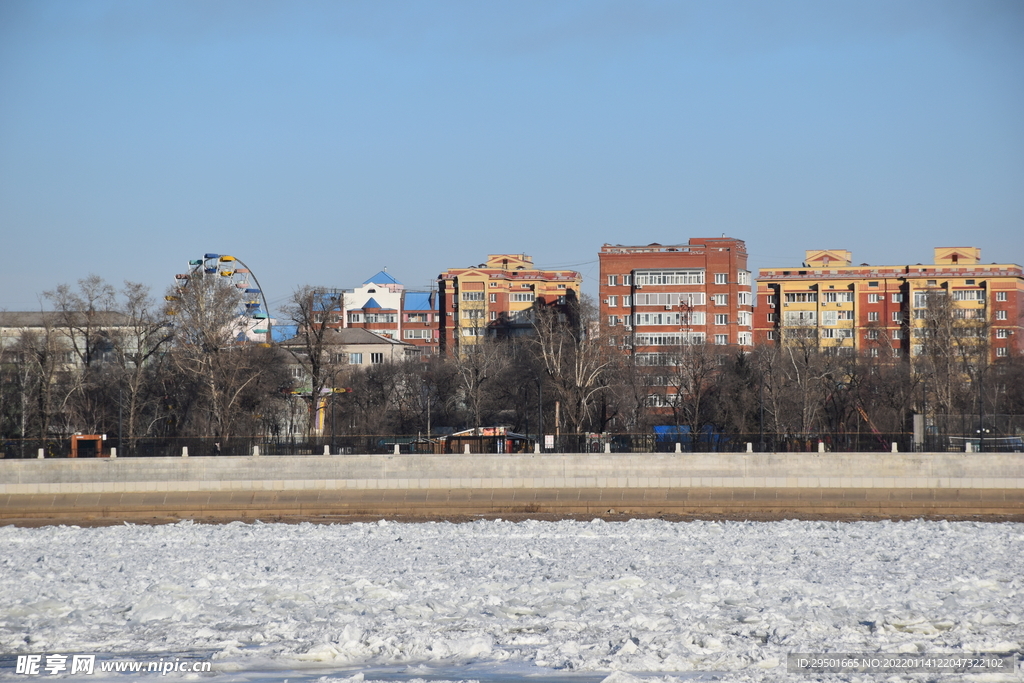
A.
pixel 322 141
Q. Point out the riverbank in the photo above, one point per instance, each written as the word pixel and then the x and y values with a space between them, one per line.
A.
pixel 416 487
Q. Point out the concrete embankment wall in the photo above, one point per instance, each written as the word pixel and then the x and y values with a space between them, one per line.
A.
pixel 900 484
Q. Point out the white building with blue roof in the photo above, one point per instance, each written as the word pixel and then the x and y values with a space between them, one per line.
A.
pixel 383 305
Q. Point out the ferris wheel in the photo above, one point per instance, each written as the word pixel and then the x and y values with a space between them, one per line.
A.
pixel 253 312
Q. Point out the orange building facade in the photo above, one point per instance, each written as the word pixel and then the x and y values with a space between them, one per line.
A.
pixel 497 299
pixel 884 310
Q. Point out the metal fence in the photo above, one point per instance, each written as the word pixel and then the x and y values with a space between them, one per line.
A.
pixel 706 442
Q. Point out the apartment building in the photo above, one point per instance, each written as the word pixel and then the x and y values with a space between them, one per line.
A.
pixel 382 305
pixel 657 298
pixel 497 298
pixel 69 340
pixel 891 310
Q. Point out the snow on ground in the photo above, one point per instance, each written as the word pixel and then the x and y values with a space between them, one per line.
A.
pixel 638 596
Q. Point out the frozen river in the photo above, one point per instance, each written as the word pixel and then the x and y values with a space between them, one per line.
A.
pixel 500 601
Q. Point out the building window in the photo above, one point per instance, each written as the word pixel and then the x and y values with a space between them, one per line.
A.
pixel 472 296
pixel 418 334
pixel 745 339
pixel 745 318
pixel 627 280
pixel 897 352
pixel 800 318
pixel 473 313
pixel 772 317
pixel 720 299
pixel 612 320
pixel 355 318
pixel 838 297
pixel 829 317
pixel 1000 315
pixel 873 352
pixel 627 301
pixel 872 298
pixel 968 295
pixel 721 339
pixel 519 297
pixel 613 280
pixel 932 283
pixel 494 315
pixel 897 317
pixel 801 297
pixel 721 318
pixel 897 334
pixel 1002 334
pixel 668 299
pixel 355 359
pixel 675 319
pixel 872 316
pixel 771 334
pixel 897 298
pixel 669 338
pixel 376 357
pixel 669 277
pixel 494 298
pixel 658 401
pixel 743 277
pixel 1001 351
pixel 721 278
pixel 771 300
pixel 873 283
pixel 872 334
pixel 1000 296
pixel 613 301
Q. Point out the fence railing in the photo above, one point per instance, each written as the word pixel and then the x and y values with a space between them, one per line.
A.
pixel 705 442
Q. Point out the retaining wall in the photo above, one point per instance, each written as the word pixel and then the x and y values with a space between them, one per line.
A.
pixel 435 485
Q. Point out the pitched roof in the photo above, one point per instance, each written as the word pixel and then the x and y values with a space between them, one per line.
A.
pixel 371 303
pixel 347 336
pixel 419 301
pixel 382 278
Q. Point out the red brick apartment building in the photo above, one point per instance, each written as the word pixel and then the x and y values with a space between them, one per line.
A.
pixel 884 310
pixel 656 298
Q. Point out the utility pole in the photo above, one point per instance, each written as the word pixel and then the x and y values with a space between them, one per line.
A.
pixel 558 431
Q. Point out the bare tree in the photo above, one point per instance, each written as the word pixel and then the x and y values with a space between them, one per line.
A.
pixel 476 367
pixel 573 358
pixel 43 359
pixel 209 353
pixel 142 333
pixel 692 377
pixel 952 352
pixel 86 315
pixel 316 350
